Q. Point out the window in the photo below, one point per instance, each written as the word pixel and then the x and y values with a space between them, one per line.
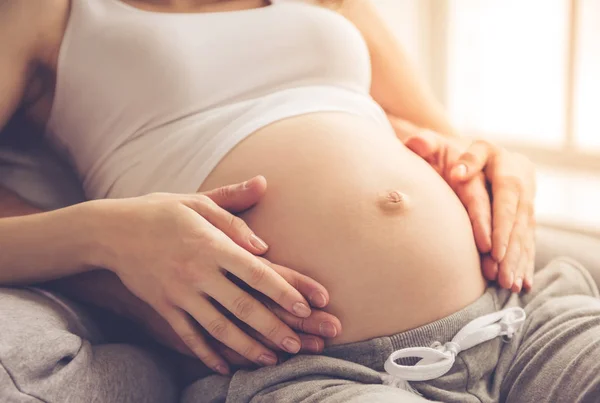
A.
pixel 523 73
pixel 506 69
pixel 587 76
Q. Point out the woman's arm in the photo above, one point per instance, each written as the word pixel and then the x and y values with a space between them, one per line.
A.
pixel 396 85
pixel 100 287
pixel 19 45
pixel 45 246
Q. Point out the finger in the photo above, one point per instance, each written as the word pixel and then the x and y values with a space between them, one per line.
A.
pixel 506 194
pixel 234 227
pixel 475 198
pixel 506 276
pixel 522 260
pixel 510 276
pixel 189 369
pixel 254 272
pixel 232 357
pixel 319 323
pixel 239 197
pixel 530 250
pixel 223 330
pixel 520 273
pixel 425 144
pixel 472 161
pixel 309 343
pixel 256 315
pixel 520 236
pixel 489 267
pixel 309 288
pixel 195 341
pixel 310 329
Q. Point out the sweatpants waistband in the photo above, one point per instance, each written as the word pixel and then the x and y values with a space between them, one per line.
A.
pixel 374 352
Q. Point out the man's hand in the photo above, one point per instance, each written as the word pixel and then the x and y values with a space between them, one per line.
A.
pixel 512 177
pixel 504 226
pixel 311 330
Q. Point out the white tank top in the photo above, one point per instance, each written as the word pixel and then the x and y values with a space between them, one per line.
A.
pixel 148 101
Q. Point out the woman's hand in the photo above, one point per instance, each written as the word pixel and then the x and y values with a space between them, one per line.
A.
pixel 504 229
pixel 311 330
pixel 175 251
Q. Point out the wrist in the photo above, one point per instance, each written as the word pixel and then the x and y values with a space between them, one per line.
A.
pixel 97 231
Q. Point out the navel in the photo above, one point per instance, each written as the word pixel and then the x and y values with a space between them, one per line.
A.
pixel 393 201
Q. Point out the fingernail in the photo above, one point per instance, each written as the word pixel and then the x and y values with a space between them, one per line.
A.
pixel 528 282
pixel 318 299
pixel 267 359
pixel 291 345
pixel 518 285
pixel 258 243
pixel 501 253
pixel 511 279
pixel 327 329
pixel 222 369
pixel 246 184
pixel 311 345
pixel 301 310
pixel 495 270
pixel 460 171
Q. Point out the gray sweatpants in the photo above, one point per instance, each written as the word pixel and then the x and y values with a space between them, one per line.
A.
pixel 554 358
pixel 52 351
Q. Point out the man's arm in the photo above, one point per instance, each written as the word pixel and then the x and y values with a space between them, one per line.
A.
pixel 396 85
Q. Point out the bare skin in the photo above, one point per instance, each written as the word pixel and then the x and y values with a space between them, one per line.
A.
pixel 391 248
pixel 391 237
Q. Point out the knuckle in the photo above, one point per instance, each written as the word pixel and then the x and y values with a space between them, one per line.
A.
pixel 509 210
pixel 273 331
pixel 217 243
pixel 224 192
pixel 258 272
pixel 529 208
pixel 284 295
pixel 188 272
pixel 470 157
pixel 204 199
pixel 300 325
pixel 214 243
pixel 207 357
pixel 512 182
pixel 193 341
pixel 218 328
pixel 249 351
pixel 236 224
pixel 243 307
pixel 171 296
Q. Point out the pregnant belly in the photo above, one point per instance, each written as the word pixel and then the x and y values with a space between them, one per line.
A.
pixel 348 205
